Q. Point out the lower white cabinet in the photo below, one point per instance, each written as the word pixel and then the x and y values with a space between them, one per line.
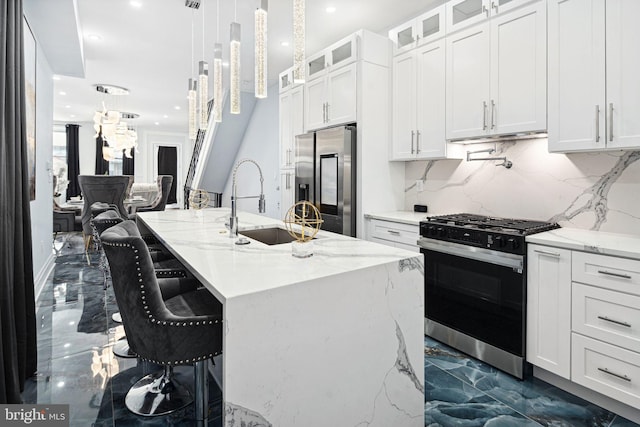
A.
pixel 548 309
pixel 583 319
pixel 396 234
pixel 607 369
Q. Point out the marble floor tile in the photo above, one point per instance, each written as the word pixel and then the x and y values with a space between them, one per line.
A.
pixel 76 366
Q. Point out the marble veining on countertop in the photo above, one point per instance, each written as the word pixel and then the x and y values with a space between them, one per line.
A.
pixel 405 217
pixel 615 244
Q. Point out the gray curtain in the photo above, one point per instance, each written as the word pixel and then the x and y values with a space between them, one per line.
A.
pixel 73 160
pixel 17 304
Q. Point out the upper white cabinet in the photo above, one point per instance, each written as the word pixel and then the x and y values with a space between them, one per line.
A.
pixel 337 55
pixel 462 13
pixel 419 104
pixel 496 73
pixel 425 28
pixel 594 63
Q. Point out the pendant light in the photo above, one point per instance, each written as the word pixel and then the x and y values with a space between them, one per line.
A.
pixel 193 131
pixel 261 50
pixel 234 66
pixel 203 84
pixel 217 71
pixel 298 41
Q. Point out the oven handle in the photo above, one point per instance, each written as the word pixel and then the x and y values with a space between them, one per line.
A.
pixel 479 254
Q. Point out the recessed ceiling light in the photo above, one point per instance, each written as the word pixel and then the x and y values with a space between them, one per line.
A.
pixel 135 3
pixel 72 115
pixel 284 43
pixel 330 9
pixel 56 77
pixel 166 116
pixel 62 93
pixel 225 64
pixel 177 107
pixel 67 106
pixel 157 123
pixel 94 37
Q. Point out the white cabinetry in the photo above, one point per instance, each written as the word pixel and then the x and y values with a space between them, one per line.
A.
pixel 391 233
pixel 594 63
pixel 496 74
pixel 548 314
pixel 419 105
pixel 419 31
pixel 462 13
pixel 291 117
pixel 330 93
pixel 599 346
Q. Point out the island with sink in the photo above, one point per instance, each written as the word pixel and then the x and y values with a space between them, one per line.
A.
pixel 333 339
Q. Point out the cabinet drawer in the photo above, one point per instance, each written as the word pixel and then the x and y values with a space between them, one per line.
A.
pixel 607 369
pixel 395 232
pixel 606 315
pixel 618 274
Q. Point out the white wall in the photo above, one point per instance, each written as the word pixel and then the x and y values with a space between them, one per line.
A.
pixel 42 206
pixel 260 143
pixel 597 191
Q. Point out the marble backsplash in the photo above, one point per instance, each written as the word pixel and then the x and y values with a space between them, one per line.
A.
pixel 595 191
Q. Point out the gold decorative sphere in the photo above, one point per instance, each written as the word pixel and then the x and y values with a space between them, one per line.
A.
pixel 305 215
pixel 198 199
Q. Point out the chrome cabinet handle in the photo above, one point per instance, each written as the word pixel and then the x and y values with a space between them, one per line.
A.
pixel 485 10
pixel 597 123
pixel 289 156
pixel 395 233
pixel 417 142
pixel 484 115
pixel 328 115
pixel 494 6
pixel 617 322
pixel 412 136
pixel 609 273
pixel 288 182
pixel 611 122
pixel 324 113
pixel 555 254
pixel 622 377
pixel 493 111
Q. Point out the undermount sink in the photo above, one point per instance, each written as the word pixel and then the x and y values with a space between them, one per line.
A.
pixel 269 236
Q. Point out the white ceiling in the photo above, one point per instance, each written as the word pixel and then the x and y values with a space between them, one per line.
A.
pixel 148 49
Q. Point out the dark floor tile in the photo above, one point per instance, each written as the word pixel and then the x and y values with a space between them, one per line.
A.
pixel 450 402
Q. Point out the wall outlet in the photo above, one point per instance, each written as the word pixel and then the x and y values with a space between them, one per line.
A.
pixel 419 185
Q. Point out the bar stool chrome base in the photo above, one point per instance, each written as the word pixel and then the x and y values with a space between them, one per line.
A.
pixel 157 394
pixel 122 349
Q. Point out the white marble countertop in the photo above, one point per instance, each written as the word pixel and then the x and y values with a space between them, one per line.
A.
pixel 621 245
pixel 201 241
pixel 405 217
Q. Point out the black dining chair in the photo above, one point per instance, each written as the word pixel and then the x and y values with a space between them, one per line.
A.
pixel 184 329
pixel 160 202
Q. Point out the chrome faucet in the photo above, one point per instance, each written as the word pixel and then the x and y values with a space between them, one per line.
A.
pixel 233 220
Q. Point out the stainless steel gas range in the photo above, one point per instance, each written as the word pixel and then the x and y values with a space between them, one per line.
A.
pixel 475 285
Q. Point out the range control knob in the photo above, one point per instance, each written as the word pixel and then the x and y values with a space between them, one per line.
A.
pixel 501 241
pixel 514 244
pixel 442 231
pixel 432 230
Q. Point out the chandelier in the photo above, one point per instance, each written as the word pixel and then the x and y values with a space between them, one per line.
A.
pixel 116 134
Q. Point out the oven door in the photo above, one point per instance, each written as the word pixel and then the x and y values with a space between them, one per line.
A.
pixel 476 291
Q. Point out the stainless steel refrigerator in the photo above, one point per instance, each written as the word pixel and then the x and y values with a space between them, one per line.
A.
pixel 326 176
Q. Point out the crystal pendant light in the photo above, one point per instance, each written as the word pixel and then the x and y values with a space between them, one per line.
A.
pixel 298 41
pixel 234 68
pixel 261 50
pixel 217 82
pixel 193 131
pixel 203 93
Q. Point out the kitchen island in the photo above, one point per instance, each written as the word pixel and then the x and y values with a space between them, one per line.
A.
pixel 334 339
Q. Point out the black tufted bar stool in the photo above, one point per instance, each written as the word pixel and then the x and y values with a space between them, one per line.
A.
pixel 183 329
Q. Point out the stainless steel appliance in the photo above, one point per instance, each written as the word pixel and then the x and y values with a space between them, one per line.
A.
pixel 475 285
pixel 326 176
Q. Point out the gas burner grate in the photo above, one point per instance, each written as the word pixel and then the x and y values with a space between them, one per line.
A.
pixel 521 226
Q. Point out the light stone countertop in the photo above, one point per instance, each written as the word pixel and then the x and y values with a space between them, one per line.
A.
pixel 200 240
pixel 405 217
pixel 621 245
